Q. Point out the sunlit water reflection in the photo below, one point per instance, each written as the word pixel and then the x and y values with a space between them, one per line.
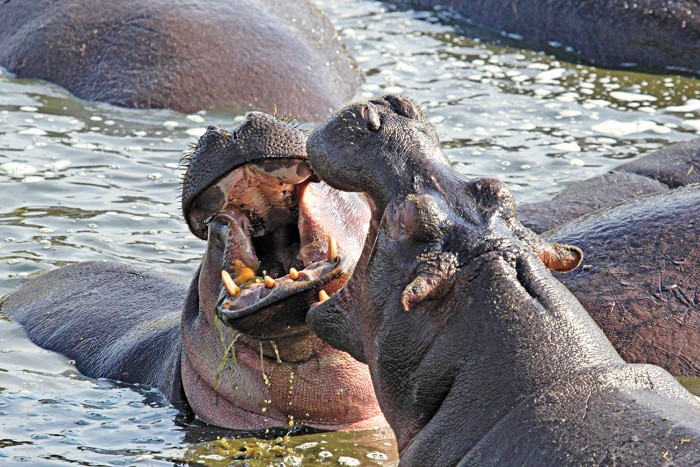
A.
pixel 85 181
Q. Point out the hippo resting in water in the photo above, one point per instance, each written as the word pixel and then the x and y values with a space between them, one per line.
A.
pixel 655 35
pixel 477 354
pixel 250 194
pixel 186 55
pixel 641 277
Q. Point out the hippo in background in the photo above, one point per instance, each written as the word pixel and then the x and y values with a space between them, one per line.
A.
pixel 185 55
pixel 477 354
pixel 672 167
pixel 275 237
pixel 639 226
pixel 651 35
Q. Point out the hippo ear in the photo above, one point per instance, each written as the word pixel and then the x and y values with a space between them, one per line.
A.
pixel 555 256
pixel 434 278
pixel 561 257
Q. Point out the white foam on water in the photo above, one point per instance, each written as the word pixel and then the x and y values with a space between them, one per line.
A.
pixel 568 147
pixel 618 129
pixel 694 124
pixel 195 118
pixel 692 105
pixel 17 169
pixel 32 132
pixel 32 179
pixel 196 131
pixel 632 96
pixel 550 76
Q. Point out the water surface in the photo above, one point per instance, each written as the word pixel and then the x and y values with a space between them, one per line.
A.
pixel 88 181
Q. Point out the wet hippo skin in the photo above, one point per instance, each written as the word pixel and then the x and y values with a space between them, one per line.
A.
pixel 186 55
pixel 638 226
pixel 654 35
pixel 250 195
pixel 640 278
pixel 477 354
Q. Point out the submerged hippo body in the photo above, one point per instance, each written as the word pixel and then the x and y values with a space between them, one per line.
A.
pixel 249 195
pixel 655 35
pixel 117 321
pixel 477 354
pixel 641 274
pixel 185 55
pixel 672 167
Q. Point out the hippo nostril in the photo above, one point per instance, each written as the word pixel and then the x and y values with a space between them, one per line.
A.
pixel 403 106
pixel 371 116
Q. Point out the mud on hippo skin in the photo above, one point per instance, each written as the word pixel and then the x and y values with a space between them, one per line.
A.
pixel 250 194
pixel 652 35
pixel 477 354
pixel 185 55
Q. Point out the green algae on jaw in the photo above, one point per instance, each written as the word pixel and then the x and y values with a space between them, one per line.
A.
pixel 229 351
pixel 366 447
pixel 277 352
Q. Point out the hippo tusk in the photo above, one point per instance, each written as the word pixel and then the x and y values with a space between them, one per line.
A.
pixel 230 286
pixel 323 296
pixel 332 248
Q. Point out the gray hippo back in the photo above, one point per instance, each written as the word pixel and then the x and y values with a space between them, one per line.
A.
pixel 186 55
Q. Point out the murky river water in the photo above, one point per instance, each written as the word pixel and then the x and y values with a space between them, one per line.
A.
pixel 84 181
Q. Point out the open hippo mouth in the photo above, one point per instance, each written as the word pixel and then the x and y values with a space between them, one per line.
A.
pixel 276 242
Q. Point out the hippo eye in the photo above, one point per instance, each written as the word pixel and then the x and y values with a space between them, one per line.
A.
pixel 371 117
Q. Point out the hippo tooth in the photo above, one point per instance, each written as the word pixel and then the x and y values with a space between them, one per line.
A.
pixel 323 296
pixel 231 286
pixel 332 249
pixel 294 274
pixel 269 282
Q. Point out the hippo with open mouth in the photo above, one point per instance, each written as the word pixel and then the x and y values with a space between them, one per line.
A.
pixel 477 354
pixel 277 239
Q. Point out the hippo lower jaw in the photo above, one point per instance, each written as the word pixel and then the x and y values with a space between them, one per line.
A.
pixel 274 308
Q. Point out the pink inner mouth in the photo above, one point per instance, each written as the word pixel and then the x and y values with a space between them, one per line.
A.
pixel 280 236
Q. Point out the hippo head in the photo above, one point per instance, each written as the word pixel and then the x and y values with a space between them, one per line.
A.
pixel 443 261
pixel 276 237
pixel 427 222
